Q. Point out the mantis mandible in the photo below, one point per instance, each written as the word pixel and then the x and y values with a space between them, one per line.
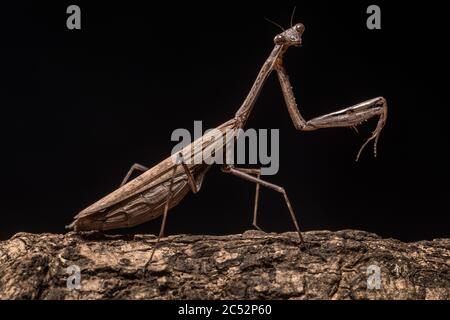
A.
pixel 162 187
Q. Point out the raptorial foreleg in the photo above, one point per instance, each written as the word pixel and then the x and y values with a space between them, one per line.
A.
pixel 348 117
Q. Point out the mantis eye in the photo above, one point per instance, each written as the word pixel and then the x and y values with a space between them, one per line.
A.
pixel 299 27
pixel 279 39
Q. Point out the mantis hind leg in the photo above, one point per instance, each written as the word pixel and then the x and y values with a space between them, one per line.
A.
pixel 163 223
pixel 134 167
pixel 195 186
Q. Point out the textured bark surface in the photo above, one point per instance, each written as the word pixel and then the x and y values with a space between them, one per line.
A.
pixel 253 265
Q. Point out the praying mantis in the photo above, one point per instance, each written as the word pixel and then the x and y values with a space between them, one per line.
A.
pixel 160 188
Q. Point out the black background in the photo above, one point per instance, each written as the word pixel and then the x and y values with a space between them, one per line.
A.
pixel 80 106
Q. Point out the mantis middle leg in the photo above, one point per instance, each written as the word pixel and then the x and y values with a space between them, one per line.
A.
pixel 257 174
pixel 241 174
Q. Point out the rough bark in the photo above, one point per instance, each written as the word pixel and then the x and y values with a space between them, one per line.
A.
pixel 253 265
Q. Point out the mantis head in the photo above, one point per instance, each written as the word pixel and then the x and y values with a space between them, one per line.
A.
pixel 291 36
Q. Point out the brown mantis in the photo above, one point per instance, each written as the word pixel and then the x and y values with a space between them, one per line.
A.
pixel 162 187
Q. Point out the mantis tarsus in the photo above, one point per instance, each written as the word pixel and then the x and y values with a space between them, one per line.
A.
pixel 162 187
